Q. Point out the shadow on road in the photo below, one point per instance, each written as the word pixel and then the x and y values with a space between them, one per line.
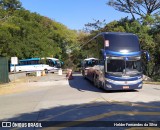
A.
pixel 92 111
pixel 97 111
pixel 82 84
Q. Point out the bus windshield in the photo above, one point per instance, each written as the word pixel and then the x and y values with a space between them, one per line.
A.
pixel 124 67
pixel 90 63
pixel 54 63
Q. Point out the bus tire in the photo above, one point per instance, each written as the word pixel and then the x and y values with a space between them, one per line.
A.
pixel 46 71
pixel 83 74
pixel 95 81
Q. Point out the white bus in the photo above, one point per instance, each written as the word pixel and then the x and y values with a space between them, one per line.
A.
pixel 32 64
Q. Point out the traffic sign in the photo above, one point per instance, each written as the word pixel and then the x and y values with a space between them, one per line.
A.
pixel 14 60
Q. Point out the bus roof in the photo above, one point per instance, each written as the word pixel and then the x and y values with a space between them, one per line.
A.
pixel 52 58
pixel 112 33
pixel 116 33
pixel 122 41
pixel 118 41
pixel 91 58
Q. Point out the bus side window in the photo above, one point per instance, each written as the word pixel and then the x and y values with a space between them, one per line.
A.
pixel 50 63
pixel 89 63
pixel 21 63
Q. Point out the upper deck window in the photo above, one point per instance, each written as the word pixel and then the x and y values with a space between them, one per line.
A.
pixel 124 41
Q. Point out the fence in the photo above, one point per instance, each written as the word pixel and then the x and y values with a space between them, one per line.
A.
pixel 4 70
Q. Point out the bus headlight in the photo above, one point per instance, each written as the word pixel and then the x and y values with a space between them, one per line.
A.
pixel 108 86
pixel 140 85
pixel 110 81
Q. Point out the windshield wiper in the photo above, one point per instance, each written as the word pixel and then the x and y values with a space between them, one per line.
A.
pixel 115 73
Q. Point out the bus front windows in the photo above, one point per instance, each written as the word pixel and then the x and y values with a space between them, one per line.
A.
pixel 120 67
pixel 133 67
pixel 54 63
pixel 58 64
pixel 115 67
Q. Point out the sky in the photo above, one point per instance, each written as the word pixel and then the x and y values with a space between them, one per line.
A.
pixel 74 13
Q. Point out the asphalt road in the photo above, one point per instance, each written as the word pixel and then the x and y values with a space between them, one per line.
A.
pixel 53 98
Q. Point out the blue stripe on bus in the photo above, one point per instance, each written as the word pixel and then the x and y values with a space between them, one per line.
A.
pixel 123 78
pixel 113 53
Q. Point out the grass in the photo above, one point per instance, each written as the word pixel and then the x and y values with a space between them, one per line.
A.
pixel 149 82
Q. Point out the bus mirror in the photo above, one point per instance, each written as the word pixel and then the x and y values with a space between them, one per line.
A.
pixel 147 55
pixel 104 55
pixel 125 58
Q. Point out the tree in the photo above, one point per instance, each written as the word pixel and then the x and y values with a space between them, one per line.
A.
pixel 96 25
pixel 155 32
pixel 136 7
pixel 10 4
pixel 27 35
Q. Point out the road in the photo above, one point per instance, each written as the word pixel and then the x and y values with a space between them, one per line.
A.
pixel 53 98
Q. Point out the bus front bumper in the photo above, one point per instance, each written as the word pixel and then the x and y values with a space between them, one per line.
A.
pixel 124 86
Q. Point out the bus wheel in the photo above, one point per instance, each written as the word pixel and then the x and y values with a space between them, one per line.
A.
pixel 83 73
pixel 46 71
pixel 95 81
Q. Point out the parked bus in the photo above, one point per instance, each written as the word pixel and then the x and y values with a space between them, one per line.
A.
pixel 54 62
pixel 32 64
pixel 119 64
pixel 87 63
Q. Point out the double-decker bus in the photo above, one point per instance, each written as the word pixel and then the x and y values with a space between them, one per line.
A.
pixel 119 64
pixel 33 64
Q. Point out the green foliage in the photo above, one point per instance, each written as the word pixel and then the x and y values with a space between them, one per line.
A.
pixel 143 8
pixel 114 27
pixel 96 25
pixel 25 34
pixel 10 5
